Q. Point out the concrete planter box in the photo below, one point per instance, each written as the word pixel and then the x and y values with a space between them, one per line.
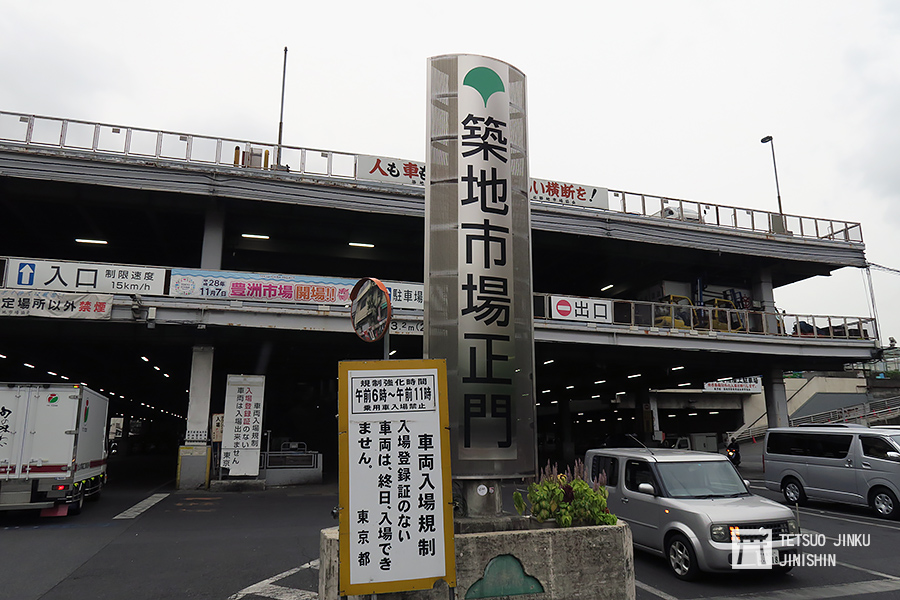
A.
pixel 589 563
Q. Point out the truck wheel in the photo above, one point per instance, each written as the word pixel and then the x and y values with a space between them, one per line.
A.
pixel 884 502
pixel 682 559
pixel 793 491
pixel 76 505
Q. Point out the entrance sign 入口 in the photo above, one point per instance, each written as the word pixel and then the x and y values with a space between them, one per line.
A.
pixel 396 517
pixel 65 276
pixel 242 431
pixel 478 309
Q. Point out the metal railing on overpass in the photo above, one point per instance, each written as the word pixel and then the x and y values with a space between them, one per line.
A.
pixel 867 413
pixel 111 140
pixel 709 319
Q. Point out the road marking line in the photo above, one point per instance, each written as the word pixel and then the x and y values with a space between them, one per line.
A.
pixel 140 507
pixel 840 590
pixel 266 588
pixel 653 590
pixel 815 513
pixel 869 571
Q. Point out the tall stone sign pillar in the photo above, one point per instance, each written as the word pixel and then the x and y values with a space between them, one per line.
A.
pixel 478 307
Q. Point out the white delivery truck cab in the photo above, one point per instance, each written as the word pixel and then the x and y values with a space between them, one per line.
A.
pixel 52 446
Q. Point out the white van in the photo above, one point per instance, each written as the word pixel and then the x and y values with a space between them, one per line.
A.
pixel 842 463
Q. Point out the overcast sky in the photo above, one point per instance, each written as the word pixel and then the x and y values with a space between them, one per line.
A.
pixel 665 98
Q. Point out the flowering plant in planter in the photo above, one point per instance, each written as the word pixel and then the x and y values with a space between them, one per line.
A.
pixel 568 498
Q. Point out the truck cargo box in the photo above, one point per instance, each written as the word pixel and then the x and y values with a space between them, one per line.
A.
pixel 52 446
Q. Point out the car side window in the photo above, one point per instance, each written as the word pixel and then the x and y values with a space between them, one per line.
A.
pixel 606 470
pixel 875 447
pixel 638 472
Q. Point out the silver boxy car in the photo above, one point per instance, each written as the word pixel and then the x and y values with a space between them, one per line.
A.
pixel 689 507
pixel 849 463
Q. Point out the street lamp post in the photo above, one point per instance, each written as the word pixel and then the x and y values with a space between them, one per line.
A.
pixel 781 229
pixel 278 166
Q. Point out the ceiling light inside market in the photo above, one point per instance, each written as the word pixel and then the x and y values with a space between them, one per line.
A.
pixel 88 241
pixel 692 414
pixel 254 236
pixel 54 374
pixel 569 387
pixel 547 362
pixel 2 356
pixel 608 287
pixel 145 359
pixel 28 365
pixel 361 245
pixel 724 379
pixel 633 376
pixel 671 415
pixel 683 384
pixel 601 381
pixel 713 412
pixel 677 368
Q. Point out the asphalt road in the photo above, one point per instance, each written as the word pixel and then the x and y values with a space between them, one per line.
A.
pixel 259 545
pixel 189 545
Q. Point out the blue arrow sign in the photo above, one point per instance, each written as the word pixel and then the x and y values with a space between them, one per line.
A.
pixel 26 274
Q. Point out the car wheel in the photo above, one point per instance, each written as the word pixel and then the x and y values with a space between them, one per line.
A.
pixel 793 491
pixel 781 570
pixel 682 559
pixel 884 502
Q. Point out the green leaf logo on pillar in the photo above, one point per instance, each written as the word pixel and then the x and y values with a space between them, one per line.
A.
pixel 485 81
pixel 52 399
pixel 86 402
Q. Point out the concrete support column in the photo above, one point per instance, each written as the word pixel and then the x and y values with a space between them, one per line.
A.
pixel 213 238
pixel 764 293
pixel 200 393
pixel 776 398
pixel 565 429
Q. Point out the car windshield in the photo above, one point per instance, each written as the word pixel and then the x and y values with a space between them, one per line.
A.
pixel 701 479
pixel 896 439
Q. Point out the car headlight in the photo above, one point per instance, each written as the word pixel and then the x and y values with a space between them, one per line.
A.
pixel 719 533
pixel 792 526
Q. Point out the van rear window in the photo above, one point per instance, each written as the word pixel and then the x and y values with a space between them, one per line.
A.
pixel 606 470
pixel 822 445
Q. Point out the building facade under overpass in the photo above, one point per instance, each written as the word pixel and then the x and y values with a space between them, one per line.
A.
pixel 214 259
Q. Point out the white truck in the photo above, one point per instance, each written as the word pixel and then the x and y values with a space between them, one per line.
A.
pixel 703 442
pixel 52 447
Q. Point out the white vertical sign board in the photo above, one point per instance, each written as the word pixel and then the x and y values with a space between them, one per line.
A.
pixel 396 504
pixel 243 424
